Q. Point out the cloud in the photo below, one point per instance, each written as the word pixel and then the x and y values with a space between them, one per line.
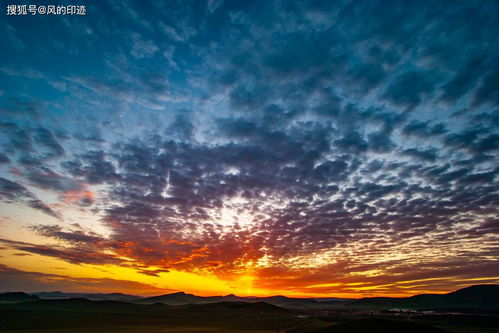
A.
pixel 426 155
pixel 464 80
pixel 4 159
pixel 19 138
pixel 48 139
pixel 14 192
pixel 78 236
pixel 352 143
pixel 93 167
pixel 183 127
pixel 45 178
pixel 80 255
pixel 143 48
pixel 410 88
pixel 423 129
pixel 12 279
pixel 487 92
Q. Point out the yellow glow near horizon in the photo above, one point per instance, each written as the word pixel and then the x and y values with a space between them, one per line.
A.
pixel 198 282
pixel 203 284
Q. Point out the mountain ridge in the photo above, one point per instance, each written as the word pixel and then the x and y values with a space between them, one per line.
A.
pixel 472 297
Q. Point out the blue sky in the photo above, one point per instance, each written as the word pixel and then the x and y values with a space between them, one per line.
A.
pixel 316 147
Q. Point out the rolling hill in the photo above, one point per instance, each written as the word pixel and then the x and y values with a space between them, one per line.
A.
pixel 17 297
pixel 182 298
pixel 478 297
pixel 484 297
pixel 90 296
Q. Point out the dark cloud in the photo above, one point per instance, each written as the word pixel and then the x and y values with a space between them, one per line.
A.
pixel 368 76
pixel 92 137
pixel 477 140
pixel 487 92
pixel 380 142
pixel 239 128
pixel 331 171
pixel 410 88
pixel 482 177
pixel 47 179
pixel 464 80
pixel 33 146
pixel 47 139
pixel 29 161
pixel 19 138
pixel 182 126
pixel 14 192
pixel 4 159
pixel 352 142
pixel 429 155
pixel 243 97
pixel 153 272
pixel 16 106
pixel 93 166
pixel 77 236
pixel 423 129
pixel 489 143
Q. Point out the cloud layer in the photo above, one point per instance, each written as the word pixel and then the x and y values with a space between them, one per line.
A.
pixel 311 146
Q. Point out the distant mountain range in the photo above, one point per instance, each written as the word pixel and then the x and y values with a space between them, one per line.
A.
pixel 90 296
pixel 17 297
pixel 474 297
pixel 182 298
pixel 484 297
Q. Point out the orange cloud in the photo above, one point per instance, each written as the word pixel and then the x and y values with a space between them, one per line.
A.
pixel 78 195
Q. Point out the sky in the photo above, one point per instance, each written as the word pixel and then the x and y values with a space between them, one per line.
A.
pixel 299 148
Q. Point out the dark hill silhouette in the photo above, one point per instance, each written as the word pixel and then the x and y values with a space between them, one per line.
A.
pixel 474 298
pixel 82 304
pixel 17 297
pixel 479 295
pixel 68 315
pixel 91 296
pixel 77 304
pixel 181 298
pixel 485 297
pixel 239 306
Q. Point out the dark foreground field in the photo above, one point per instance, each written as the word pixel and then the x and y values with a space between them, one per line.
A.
pixel 81 315
pixel 470 310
